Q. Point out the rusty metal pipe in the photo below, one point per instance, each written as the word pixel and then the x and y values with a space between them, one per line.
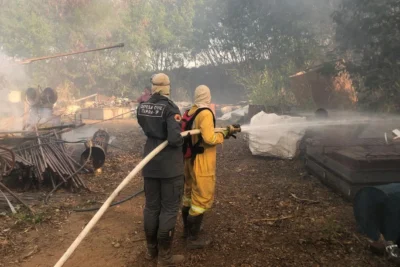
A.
pixel 30 60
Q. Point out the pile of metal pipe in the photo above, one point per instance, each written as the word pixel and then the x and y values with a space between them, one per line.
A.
pixel 48 158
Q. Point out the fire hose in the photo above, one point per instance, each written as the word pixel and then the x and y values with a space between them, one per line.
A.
pixel 113 204
pixel 121 186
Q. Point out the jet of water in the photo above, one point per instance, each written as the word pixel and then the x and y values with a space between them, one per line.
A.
pixel 316 123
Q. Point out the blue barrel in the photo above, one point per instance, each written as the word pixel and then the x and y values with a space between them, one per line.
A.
pixel 377 211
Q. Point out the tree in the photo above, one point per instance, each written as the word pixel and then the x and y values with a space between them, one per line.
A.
pixel 269 87
pixel 160 35
pixel 265 39
pixel 169 30
pixel 155 34
pixel 236 31
pixel 368 34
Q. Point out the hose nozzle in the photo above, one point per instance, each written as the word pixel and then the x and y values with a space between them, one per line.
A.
pixel 234 128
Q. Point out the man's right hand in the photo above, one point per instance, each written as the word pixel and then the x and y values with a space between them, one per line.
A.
pixel 225 133
pixel 228 133
pixel 231 130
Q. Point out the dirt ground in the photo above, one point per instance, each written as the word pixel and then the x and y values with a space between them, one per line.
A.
pixel 267 213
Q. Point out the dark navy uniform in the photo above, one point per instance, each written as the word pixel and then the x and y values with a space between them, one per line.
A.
pixel 160 120
pixel 163 176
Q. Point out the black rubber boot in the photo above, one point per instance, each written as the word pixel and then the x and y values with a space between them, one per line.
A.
pixel 152 249
pixel 393 253
pixel 195 241
pixel 185 214
pixel 377 247
pixel 165 257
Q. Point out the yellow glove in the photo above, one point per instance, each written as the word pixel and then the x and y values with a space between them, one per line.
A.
pixel 225 133
pixel 231 130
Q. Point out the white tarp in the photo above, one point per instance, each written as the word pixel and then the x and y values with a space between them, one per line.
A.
pixel 280 140
pixel 235 115
pixel 230 108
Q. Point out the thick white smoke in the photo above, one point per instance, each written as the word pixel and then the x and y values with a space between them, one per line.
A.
pixel 13 80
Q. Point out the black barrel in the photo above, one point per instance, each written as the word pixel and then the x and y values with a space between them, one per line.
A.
pixel 48 97
pixel 377 211
pixel 32 96
pixel 100 141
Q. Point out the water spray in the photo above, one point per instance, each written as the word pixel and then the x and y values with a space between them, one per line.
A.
pixel 314 124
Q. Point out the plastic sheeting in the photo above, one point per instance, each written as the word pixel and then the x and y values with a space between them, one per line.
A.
pixel 236 115
pixel 227 109
pixel 280 140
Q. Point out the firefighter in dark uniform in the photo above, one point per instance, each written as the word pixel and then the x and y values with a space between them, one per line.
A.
pixel 163 176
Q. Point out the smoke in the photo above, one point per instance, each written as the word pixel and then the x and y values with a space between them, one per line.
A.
pixel 12 74
pixel 13 80
pixel 79 134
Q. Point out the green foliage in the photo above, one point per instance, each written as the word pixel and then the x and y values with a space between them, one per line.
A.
pixel 268 87
pixel 27 218
pixel 278 31
pixel 155 34
pixel 328 69
pixel 369 37
pixel 264 41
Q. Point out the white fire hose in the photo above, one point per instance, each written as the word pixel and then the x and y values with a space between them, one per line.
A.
pixel 114 194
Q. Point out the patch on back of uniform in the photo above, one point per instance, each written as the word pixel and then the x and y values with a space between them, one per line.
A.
pixel 178 117
pixel 151 110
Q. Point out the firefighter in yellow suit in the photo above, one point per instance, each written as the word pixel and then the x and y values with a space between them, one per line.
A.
pixel 200 174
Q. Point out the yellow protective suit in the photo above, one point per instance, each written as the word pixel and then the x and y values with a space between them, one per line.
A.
pixel 200 176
